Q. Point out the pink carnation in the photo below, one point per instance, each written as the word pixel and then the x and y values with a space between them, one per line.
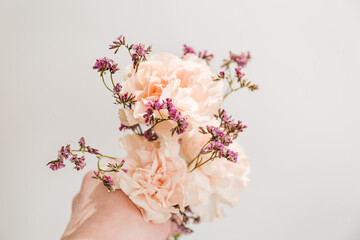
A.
pixel 216 182
pixel 154 181
pixel 187 81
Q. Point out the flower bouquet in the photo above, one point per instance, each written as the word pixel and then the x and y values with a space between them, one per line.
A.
pixel 182 158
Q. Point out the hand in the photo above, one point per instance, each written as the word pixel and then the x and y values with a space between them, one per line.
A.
pixel 99 214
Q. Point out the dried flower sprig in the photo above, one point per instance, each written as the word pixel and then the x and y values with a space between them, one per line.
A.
pixel 137 52
pixel 105 179
pixel 204 55
pixel 182 219
pixel 221 137
pixel 103 65
pixel 126 99
pixel 235 63
pixel 155 114
pixel 66 153
pixel 150 135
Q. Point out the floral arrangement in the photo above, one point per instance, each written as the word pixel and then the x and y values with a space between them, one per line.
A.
pixel 182 158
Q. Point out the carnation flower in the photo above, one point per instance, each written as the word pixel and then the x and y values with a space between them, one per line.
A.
pixel 219 181
pixel 187 81
pixel 154 179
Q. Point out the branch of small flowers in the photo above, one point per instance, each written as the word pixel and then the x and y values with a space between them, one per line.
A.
pixel 204 55
pixel 182 219
pixel 198 156
pixel 103 65
pixel 113 167
pixel 139 51
pixel 66 153
pixel 173 114
pixel 102 155
pixel 221 137
pixel 200 163
pixel 236 62
pixel 126 99
pixel 159 121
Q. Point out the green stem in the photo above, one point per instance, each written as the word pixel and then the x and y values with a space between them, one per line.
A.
pixel 197 157
pixel 91 153
pixel 161 120
pixel 141 132
pixel 102 76
pixel 160 114
pixel 102 170
pixel 211 158
pixel 112 80
pixel 98 165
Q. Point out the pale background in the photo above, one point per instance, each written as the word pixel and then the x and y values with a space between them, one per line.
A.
pixel 304 123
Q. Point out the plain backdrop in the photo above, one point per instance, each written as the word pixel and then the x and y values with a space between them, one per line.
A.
pixel 303 136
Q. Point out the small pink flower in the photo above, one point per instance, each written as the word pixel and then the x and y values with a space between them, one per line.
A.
pixel 56 165
pixel 105 64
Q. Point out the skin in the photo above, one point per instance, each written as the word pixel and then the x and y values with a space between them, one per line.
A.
pixel 99 214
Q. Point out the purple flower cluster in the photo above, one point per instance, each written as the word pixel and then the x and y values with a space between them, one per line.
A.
pixel 106 180
pixel 219 135
pixel 114 167
pixel 63 154
pixel 172 111
pixel 78 161
pixel 105 64
pixel 220 76
pixel 187 49
pixel 244 82
pixel 222 137
pixel 82 143
pixel 137 51
pixel 220 150
pixel 56 164
pixel 139 54
pixel 150 135
pixel 240 59
pixel 218 144
pixel 183 218
pixel 124 127
pixel 204 55
pixel 126 99
pixel 239 73
pixel 66 153
pixel 117 88
pixel 231 127
pixel 117 43
pixel 92 150
pixel 207 57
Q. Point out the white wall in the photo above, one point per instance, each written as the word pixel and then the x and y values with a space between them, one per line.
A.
pixel 303 136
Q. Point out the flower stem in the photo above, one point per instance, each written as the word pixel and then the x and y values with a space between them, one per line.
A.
pixel 90 153
pixel 112 80
pixel 102 76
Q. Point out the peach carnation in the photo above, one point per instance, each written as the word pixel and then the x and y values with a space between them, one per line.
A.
pixel 154 180
pixel 187 81
pixel 218 181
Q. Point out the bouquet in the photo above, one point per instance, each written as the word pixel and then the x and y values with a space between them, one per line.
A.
pixel 182 159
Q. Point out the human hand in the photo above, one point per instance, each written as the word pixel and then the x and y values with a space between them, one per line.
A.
pixel 99 214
